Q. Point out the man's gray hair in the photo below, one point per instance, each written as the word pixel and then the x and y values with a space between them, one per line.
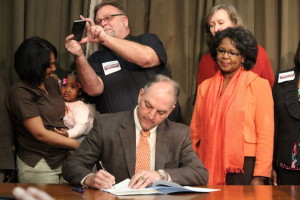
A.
pixel 110 3
pixel 162 78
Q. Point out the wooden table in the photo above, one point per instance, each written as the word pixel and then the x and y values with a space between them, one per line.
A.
pixel 264 192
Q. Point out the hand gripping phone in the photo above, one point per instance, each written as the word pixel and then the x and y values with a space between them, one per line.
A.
pixel 78 29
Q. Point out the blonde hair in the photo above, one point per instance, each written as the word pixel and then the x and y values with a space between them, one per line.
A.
pixel 232 13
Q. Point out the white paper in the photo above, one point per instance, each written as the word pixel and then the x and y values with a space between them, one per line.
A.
pixel 161 187
pixel 122 184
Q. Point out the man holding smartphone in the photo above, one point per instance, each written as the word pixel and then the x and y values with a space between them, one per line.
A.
pixel 114 74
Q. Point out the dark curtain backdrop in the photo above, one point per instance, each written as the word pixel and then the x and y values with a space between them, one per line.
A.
pixel 275 24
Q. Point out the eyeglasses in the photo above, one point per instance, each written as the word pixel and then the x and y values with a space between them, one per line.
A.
pixel 107 18
pixel 230 53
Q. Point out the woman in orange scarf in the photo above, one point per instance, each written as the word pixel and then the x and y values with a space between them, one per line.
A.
pixel 232 127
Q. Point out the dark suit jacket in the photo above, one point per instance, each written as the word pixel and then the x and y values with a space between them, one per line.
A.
pixel 113 141
pixel 287 119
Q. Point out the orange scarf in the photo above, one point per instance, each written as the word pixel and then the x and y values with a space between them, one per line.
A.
pixel 222 125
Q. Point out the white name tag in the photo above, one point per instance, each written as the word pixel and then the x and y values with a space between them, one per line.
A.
pixel 286 76
pixel 111 67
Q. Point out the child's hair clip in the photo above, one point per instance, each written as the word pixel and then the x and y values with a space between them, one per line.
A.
pixel 64 81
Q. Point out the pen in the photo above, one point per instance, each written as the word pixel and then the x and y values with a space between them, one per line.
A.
pixel 104 170
pixel 101 165
pixel 80 190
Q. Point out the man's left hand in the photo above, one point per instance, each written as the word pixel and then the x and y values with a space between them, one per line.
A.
pixel 94 33
pixel 143 178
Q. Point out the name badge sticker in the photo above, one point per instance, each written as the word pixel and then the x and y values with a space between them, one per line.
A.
pixel 286 76
pixel 111 67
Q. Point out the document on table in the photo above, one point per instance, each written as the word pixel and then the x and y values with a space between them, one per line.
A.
pixel 158 187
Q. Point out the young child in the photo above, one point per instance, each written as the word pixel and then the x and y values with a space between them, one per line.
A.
pixel 79 116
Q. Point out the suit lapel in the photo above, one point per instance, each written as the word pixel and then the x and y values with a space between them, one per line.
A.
pixel 128 139
pixel 163 142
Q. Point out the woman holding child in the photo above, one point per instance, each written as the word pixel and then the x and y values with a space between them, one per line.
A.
pixel 36 107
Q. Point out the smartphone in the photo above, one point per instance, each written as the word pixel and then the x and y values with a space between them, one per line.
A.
pixel 78 29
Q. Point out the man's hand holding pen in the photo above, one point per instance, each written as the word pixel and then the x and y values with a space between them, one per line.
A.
pixel 100 180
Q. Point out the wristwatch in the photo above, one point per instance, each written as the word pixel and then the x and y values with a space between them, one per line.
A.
pixel 163 174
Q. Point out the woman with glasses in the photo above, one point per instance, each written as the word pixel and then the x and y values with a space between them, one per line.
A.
pixel 219 18
pixel 286 93
pixel 232 125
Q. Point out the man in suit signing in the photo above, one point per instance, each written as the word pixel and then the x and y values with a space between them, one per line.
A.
pixel 124 152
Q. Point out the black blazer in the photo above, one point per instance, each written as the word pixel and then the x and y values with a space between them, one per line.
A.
pixel 287 119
